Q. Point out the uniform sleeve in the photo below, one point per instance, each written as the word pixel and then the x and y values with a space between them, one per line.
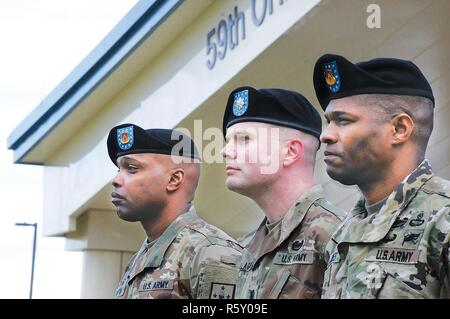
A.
pixel 123 283
pixel 444 270
pixel 214 272
pixel 440 246
pixel 325 226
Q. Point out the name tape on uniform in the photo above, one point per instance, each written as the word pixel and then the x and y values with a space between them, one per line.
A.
pixel 304 257
pixel 394 255
pixel 156 285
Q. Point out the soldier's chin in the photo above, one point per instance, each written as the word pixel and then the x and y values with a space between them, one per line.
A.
pixel 235 186
pixel 232 185
pixel 341 176
pixel 127 216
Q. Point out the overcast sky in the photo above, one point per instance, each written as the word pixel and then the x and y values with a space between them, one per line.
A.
pixel 41 42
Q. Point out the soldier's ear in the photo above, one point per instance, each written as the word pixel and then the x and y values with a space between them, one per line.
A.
pixel 402 128
pixel 293 151
pixel 176 179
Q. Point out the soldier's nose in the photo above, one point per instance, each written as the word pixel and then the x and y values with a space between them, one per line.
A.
pixel 328 135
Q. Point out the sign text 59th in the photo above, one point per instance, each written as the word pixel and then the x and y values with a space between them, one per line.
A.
pixel 230 30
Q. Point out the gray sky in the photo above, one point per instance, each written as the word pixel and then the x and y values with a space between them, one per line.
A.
pixel 41 42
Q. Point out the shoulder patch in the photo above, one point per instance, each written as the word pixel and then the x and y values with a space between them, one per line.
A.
pixel 217 282
pixel 336 211
pixel 214 235
pixel 245 239
pixel 437 185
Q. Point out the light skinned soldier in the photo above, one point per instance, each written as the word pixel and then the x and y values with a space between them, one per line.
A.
pixel 395 241
pixel 182 256
pixel 286 256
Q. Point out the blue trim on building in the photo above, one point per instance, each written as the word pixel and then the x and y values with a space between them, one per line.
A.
pixel 142 20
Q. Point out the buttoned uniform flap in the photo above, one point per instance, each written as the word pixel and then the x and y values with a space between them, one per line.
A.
pixel 393 288
pixel 289 287
pixel 382 283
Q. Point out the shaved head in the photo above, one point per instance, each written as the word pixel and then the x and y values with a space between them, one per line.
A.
pixel 420 109
pixel 190 167
pixel 310 143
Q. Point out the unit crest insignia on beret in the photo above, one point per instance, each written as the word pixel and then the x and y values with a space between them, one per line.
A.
pixel 240 104
pixel 332 78
pixel 125 137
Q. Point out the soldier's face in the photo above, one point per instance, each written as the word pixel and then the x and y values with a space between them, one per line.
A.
pixel 357 145
pixel 252 157
pixel 139 187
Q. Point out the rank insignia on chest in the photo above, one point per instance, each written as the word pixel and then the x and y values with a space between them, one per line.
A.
pixel 296 245
pixel 222 291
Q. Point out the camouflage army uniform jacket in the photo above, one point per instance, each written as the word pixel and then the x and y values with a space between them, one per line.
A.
pixel 290 260
pixel 191 259
pixel 399 252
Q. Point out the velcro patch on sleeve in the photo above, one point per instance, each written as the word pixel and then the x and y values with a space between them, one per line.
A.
pixel 217 282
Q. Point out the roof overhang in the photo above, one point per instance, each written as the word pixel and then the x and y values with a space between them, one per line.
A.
pixel 107 69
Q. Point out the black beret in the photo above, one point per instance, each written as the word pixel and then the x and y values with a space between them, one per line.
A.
pixel 336 77
pixel 274 106
pixel 131 139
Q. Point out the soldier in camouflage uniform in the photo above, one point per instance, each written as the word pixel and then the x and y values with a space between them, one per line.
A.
pixel 286 256
pixel 395 241
pixel 182 256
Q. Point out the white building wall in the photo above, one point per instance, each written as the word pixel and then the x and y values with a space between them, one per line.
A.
pixel 176 88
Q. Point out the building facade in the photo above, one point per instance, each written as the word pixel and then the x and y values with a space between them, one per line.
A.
pixel 172 63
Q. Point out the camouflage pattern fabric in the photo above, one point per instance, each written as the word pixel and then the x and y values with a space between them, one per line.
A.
pixel 400 252
pixel 290 260
pixel 191 259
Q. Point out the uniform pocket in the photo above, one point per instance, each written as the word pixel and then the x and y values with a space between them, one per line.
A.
pixel 276 290
pixel 289 287
pixel 394 288
pixel 381 284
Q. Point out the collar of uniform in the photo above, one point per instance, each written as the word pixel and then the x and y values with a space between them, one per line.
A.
pixel 359 227
pixel 263 243
pixel 165 240
pixel 154 257
pixel 298 210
